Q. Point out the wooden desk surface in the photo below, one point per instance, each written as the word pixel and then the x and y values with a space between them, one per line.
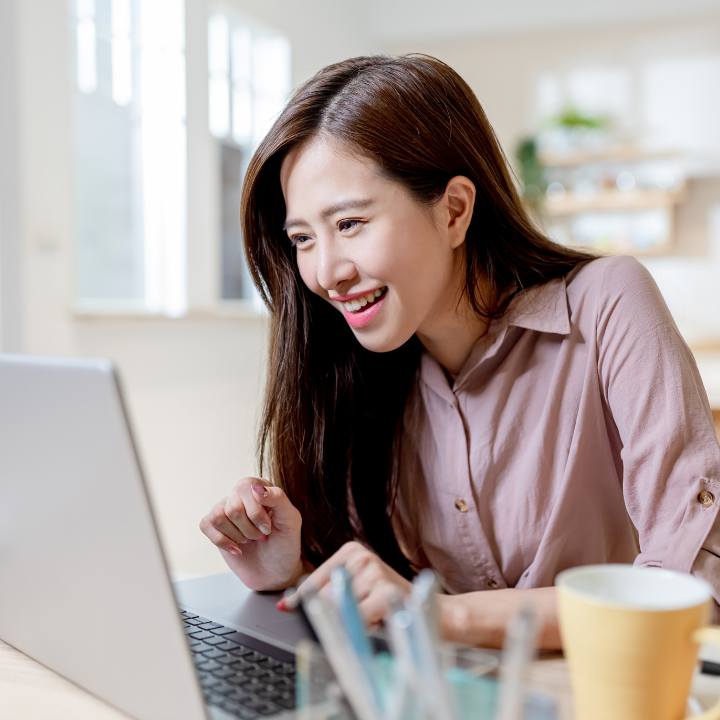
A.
pixel 30 691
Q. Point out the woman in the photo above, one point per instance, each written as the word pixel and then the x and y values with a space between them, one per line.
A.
pixel 448 388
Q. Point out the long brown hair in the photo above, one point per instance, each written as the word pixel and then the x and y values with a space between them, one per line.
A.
pixel 333 411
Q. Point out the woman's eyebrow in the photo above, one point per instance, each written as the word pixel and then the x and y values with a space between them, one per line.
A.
pixel 353 204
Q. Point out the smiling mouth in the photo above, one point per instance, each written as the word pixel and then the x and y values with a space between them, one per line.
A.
pixel 361 304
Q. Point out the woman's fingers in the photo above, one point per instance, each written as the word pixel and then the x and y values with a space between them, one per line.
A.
pixel 255 508
pixel 237 511
pixel 273 502
pixel 225 526
pixel 366 578
pixel 374 607
pixel 219 520
pixel 217 537
pixel 374 583
pixel 350 554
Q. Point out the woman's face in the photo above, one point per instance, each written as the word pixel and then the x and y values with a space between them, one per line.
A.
pixel 390 265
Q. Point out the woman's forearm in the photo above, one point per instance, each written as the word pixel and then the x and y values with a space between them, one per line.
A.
pixel 480 618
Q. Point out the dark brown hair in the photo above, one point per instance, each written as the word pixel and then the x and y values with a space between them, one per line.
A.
pixel 333 412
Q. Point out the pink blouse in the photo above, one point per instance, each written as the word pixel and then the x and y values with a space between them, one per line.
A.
pixel 577 432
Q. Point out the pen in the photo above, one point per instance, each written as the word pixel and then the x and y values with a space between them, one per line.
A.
pixel 408 695
pixel 421 604
pixel 354 626
pixel 518 651
pixel 348 670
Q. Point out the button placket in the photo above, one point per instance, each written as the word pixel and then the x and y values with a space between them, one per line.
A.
pixel 470 529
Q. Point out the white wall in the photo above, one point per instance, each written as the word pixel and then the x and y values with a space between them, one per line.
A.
pixel 419 20
pixel 691 287
pixel 11 315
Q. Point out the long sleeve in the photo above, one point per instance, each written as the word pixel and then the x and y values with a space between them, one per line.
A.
pixel 670 454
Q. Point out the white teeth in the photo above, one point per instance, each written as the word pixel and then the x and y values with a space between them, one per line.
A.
pixel 361 302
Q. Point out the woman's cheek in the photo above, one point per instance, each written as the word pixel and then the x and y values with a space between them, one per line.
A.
pixel 308 273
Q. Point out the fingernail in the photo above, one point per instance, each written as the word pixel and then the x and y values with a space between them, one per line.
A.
pixel 235 551
pixel 264 528
pixel 291 601
pixel 260 490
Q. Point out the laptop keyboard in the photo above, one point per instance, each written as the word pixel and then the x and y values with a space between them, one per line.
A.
pixel 242 681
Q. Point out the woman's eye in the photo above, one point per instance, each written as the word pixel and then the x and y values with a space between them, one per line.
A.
pixel 298 240
pixel 348 224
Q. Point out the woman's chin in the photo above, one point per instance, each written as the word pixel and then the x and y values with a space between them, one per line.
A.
pixel 380 341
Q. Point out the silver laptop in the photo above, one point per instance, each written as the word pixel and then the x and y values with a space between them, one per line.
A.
pixel 84 587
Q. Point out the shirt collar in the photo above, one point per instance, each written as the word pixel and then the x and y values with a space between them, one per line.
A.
pixel 542 308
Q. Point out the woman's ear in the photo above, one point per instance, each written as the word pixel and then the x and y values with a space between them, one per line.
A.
pixel 459 201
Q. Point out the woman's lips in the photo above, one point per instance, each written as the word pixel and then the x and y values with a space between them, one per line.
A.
pixel 364 316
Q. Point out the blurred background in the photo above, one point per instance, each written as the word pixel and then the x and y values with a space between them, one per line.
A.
pixel 126 126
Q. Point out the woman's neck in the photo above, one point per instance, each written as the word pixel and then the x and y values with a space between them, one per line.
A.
pixel 452 330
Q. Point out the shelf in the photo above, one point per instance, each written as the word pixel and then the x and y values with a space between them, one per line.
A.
pixel 615 201
pixel 659 250
pixel 618 153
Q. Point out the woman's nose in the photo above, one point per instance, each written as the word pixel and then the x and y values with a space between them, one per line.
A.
pixel 333 267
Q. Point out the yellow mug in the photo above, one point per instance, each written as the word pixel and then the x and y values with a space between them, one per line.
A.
pixel 631 637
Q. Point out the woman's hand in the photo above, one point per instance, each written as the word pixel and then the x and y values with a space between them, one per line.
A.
pixel 374 582
pixel 475 618
pixel 257 530
pixel 480 618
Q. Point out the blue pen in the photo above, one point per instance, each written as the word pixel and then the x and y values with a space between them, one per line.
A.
pixel 423 631
pixel 344 598
pixel 344 660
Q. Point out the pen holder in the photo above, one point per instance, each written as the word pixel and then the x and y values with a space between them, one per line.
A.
pixel 317 693
pixel 470 674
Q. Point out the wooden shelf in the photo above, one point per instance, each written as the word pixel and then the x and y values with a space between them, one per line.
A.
pixel 615 201
pixel 617 153
pixel 659 250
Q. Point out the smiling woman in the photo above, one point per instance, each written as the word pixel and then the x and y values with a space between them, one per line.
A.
pixel 448 388
pixel 400 129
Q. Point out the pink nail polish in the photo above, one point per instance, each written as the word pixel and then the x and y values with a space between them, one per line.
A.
pixel 260 490
pixel 235 551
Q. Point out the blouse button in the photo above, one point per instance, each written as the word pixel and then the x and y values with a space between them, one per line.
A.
pixel 493 584
pixel 462 506
pixel 705 498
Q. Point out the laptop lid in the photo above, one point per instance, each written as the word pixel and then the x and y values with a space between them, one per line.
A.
pixel 84 587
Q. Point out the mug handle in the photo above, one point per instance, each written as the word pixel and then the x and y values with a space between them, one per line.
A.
pixel 711 636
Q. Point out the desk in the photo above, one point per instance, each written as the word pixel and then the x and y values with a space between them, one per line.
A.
pixel 30 691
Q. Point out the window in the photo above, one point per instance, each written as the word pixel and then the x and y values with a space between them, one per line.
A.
pixel 130 154
pixel 249 82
